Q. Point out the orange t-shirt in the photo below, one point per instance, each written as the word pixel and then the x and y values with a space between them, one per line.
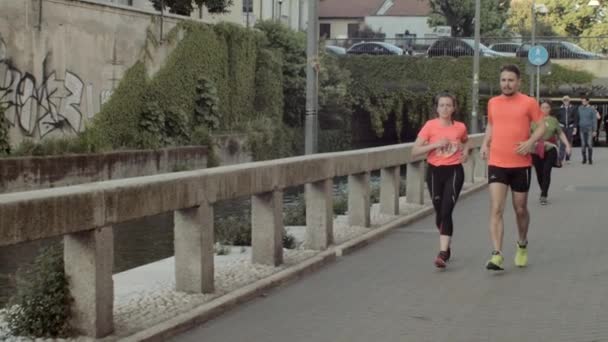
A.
pixel 433 131
pixel 511 118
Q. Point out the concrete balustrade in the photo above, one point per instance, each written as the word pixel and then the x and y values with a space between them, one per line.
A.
pixel 89 259
pixel 319 214
pixel 267 228
pixel 359 200
pixel 193 240
pixel 390 182
pixel 415 182
pixel 84 215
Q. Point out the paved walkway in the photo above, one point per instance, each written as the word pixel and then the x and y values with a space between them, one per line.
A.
pixel 390 291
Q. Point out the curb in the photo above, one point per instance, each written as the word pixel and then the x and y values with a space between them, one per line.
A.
pixel 218 306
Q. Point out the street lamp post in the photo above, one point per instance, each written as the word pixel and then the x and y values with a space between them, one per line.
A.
pixel 312 78
pixel 280 10
pixel 533 43
pixel 475 97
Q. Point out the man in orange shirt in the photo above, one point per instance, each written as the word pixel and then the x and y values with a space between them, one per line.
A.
pixel 510 143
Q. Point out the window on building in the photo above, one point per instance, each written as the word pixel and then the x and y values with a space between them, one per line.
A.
pixel 325 30
pixel 247 6
pixel 353 30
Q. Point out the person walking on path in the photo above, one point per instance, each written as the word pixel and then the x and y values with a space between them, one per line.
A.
pixel 546 156
pixel 445 141
pixel 587 125
pixel 507 146
pixel 568 121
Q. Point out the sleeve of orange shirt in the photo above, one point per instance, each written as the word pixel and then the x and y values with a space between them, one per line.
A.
pixel 490 112
pixel 465 134
pixel 425 132
pixel 535 113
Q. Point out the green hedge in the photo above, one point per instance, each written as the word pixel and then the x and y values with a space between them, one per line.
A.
pixel 389 88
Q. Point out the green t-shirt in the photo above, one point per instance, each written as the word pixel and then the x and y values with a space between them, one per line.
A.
pixel 552 130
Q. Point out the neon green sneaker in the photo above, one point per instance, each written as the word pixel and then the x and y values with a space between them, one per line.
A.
pixel 495 262
pixel 521 255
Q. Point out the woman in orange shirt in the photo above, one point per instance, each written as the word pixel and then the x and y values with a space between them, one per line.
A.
pixel 445 142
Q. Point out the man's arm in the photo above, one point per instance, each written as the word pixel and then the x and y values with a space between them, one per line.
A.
pixel 487 139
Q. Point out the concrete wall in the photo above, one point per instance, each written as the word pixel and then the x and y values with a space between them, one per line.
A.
pixel 30 173
pixel 58 65
pixel 232 149
pixel 597 67
pixel 397 25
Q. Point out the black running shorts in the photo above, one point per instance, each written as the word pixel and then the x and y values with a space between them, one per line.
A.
pixel 518 178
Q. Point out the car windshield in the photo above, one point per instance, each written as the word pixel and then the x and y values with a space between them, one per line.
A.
pixel 574 47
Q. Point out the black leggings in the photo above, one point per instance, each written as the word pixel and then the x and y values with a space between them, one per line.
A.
pixel 543 170
pixel 445 183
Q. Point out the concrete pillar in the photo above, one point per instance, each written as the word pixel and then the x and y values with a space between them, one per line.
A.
pixel 267 228
pixel 469 168
pixel 89 258
pixel 415 182
pixel 359 200
pixel 319 214
pixel 193 240
pixel 389 190
pixel 481 166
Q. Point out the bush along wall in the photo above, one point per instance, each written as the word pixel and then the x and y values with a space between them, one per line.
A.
pixel 391 92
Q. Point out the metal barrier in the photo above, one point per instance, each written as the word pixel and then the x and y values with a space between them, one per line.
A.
pixel 558 47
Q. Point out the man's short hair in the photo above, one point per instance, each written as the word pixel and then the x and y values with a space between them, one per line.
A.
pixel 511 68
pixel 586 98
pixel 566 98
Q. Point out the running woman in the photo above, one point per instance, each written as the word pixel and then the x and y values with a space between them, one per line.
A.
pixel 445 142
pixel 546 150
pixel 509 143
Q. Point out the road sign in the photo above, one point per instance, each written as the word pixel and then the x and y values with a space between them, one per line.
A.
pixel 538 55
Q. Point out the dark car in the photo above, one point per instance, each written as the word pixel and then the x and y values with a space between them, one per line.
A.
pixel 374 48
pixel 559 50
pixel 457 47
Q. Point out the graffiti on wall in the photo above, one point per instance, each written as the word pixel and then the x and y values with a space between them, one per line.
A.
pixel 46 105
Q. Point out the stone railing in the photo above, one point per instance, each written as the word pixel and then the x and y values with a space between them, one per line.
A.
pixel 84 215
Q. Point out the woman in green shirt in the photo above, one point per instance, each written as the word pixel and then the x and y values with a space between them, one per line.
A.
pixel 545 156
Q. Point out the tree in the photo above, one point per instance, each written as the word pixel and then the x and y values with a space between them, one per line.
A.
pixel 460 15
pixel 564 18
pixel 520 20
pixel 599 44
pixel 185 7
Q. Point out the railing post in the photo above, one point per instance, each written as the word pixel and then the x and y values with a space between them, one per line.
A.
pixel 481 167
pixel 415 182
pixel 88 262
pixel 267 228
pixel 389 190
pixel 319 214
pixel 193 240
pixel 469 168
pixel 358 200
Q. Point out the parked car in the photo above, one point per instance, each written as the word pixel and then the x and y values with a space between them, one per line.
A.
pixel 559 50
pixel 335 50
pixel 374 48
pixel 506 48
pixel 457 47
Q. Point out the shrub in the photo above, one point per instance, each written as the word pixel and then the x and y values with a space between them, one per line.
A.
pixel 41 307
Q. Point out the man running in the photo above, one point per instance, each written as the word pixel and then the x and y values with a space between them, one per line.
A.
pixel 507 145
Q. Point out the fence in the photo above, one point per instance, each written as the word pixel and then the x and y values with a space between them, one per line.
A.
pixel 558 47
pixel 84 215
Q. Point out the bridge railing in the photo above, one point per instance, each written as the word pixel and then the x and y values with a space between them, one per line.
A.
pixel 84 215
